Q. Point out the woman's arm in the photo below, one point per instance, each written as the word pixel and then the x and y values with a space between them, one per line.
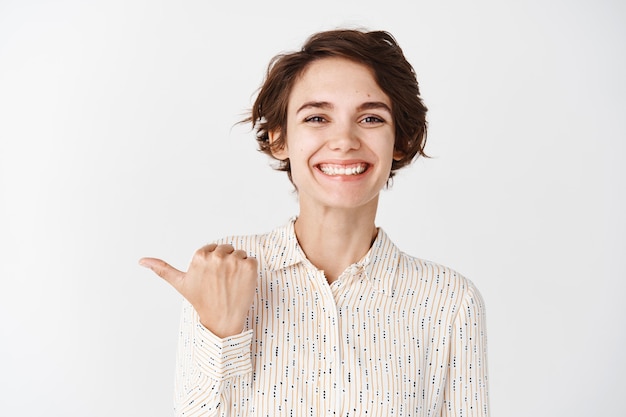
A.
pixel 214 356
pixel 212 374
pixel 466 387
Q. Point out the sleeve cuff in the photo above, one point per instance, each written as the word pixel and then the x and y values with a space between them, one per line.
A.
pixel 220 359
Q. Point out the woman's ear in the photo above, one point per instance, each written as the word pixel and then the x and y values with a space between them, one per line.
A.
pixel 278 146
pixel 398 155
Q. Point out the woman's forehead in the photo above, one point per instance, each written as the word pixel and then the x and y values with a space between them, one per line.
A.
pixel 336 81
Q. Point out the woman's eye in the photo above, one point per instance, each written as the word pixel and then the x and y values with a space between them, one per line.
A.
pixel 315 119
pixel 372 119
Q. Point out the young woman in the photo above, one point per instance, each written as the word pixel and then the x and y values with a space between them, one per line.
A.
pixel 325 315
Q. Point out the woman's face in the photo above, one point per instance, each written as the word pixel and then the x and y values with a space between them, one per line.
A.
pixel 340 135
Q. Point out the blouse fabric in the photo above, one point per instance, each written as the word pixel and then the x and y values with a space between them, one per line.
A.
pixel 392 336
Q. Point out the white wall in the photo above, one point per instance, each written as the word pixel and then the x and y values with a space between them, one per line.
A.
pixel 117 141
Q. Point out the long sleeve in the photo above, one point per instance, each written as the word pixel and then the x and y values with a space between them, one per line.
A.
pixel 394 335
pixel 212 374
pixel 466 392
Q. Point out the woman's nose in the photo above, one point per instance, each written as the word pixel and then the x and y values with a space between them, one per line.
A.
pixel 344 137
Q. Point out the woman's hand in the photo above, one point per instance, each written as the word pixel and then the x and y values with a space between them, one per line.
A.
pixel 220 285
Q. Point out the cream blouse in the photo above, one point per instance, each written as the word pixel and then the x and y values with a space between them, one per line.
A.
pixel 392 336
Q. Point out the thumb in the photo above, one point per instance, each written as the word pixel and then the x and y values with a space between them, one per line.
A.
pixel 163 269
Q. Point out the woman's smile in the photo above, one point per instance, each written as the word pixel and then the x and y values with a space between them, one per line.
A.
pixel 335 169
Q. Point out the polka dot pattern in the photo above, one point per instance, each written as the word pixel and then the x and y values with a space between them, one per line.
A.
pixel 392 336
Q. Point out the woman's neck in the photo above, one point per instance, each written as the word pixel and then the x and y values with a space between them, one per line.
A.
pixel 334 239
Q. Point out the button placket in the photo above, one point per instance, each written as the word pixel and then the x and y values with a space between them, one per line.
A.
pixel 340 289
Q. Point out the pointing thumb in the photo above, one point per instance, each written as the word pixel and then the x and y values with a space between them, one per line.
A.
pixel 163 269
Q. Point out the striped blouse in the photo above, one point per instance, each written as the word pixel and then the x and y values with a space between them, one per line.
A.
pixel 392 336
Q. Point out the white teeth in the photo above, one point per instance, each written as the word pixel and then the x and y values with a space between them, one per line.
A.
pixel 343 170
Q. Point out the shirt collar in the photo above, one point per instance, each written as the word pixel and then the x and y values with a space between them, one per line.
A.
pixel 379 265
pixel 382 263
pixel 282 249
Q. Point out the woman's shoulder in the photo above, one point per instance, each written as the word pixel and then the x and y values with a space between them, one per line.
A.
pixel 249 243
pixel 258 244
pixel 433 286
pixel 438 277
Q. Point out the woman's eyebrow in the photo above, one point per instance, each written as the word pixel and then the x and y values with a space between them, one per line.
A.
pixel 369 105
pixel 315 105
pixel 374 105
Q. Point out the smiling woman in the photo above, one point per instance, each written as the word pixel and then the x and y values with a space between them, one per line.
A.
pixel 325 315
pixel 339 138
pixel 380 54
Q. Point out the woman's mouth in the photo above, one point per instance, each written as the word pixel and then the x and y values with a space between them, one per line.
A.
pixel 339 169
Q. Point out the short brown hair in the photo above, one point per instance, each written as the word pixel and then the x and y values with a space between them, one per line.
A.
pixel 377 50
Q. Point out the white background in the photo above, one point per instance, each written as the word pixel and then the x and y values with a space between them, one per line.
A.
pixel 118 140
